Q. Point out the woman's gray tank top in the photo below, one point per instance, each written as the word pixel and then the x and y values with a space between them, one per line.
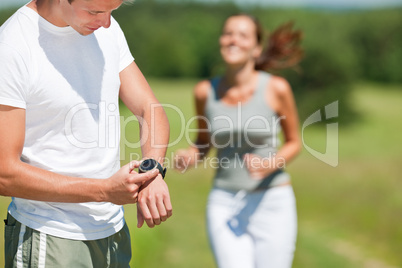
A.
pixel 250 127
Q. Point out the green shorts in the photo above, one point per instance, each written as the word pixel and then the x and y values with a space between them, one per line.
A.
pixel 25 247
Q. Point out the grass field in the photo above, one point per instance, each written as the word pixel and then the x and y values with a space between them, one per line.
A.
pixel 349 215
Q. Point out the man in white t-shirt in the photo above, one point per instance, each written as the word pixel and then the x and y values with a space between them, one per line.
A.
pixel 64 64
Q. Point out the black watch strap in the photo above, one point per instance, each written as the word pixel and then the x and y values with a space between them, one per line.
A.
pixel 162 170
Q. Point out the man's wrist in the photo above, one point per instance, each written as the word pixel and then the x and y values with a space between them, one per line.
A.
pixel 101 195
pixel 149 164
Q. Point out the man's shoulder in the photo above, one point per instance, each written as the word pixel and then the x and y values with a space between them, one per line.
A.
pixel 17 31
pixel 24 16
pixel 21 21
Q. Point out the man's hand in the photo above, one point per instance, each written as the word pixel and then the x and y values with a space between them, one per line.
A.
pixel 154 204
pixel 123 187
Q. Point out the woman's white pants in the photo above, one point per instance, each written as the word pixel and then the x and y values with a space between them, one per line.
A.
pixel 252 229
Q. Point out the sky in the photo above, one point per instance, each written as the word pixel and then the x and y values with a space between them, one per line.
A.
pixel 336 4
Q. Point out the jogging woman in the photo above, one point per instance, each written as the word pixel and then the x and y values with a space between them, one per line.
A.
pixel 251 212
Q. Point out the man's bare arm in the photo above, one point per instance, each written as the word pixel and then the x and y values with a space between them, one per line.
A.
pixel 154 204
pixel 19 179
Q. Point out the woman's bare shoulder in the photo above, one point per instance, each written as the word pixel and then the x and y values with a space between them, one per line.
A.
pixel 281 87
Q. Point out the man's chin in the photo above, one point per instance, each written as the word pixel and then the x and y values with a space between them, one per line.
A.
pixel 85 31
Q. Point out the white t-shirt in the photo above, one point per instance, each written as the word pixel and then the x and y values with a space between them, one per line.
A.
pixel 69 85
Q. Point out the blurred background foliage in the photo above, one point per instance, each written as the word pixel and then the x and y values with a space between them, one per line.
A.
pixel 180 40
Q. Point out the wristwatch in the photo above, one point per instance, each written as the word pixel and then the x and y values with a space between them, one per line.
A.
pixel 150 164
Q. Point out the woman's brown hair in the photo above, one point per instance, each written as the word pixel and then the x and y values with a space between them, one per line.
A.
pixel 282 48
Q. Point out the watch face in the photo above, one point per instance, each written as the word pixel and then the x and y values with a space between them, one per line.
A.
pixel 147 165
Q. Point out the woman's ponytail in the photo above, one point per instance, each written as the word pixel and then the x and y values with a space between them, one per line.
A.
pixel 282 49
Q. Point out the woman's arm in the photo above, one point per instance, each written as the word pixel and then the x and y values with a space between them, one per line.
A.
pixel 186 158
pixel 280 98
pixel 287 111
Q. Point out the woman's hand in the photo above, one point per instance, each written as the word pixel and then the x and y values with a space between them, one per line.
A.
pixel 184 158
pixel 259 167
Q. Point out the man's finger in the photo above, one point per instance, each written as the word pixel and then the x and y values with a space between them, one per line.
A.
pixel 161 209
pixel 146 214
pixel 143 177
pixel 153 209
pixel 134 164
pixel 168 206
pixel 140 217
